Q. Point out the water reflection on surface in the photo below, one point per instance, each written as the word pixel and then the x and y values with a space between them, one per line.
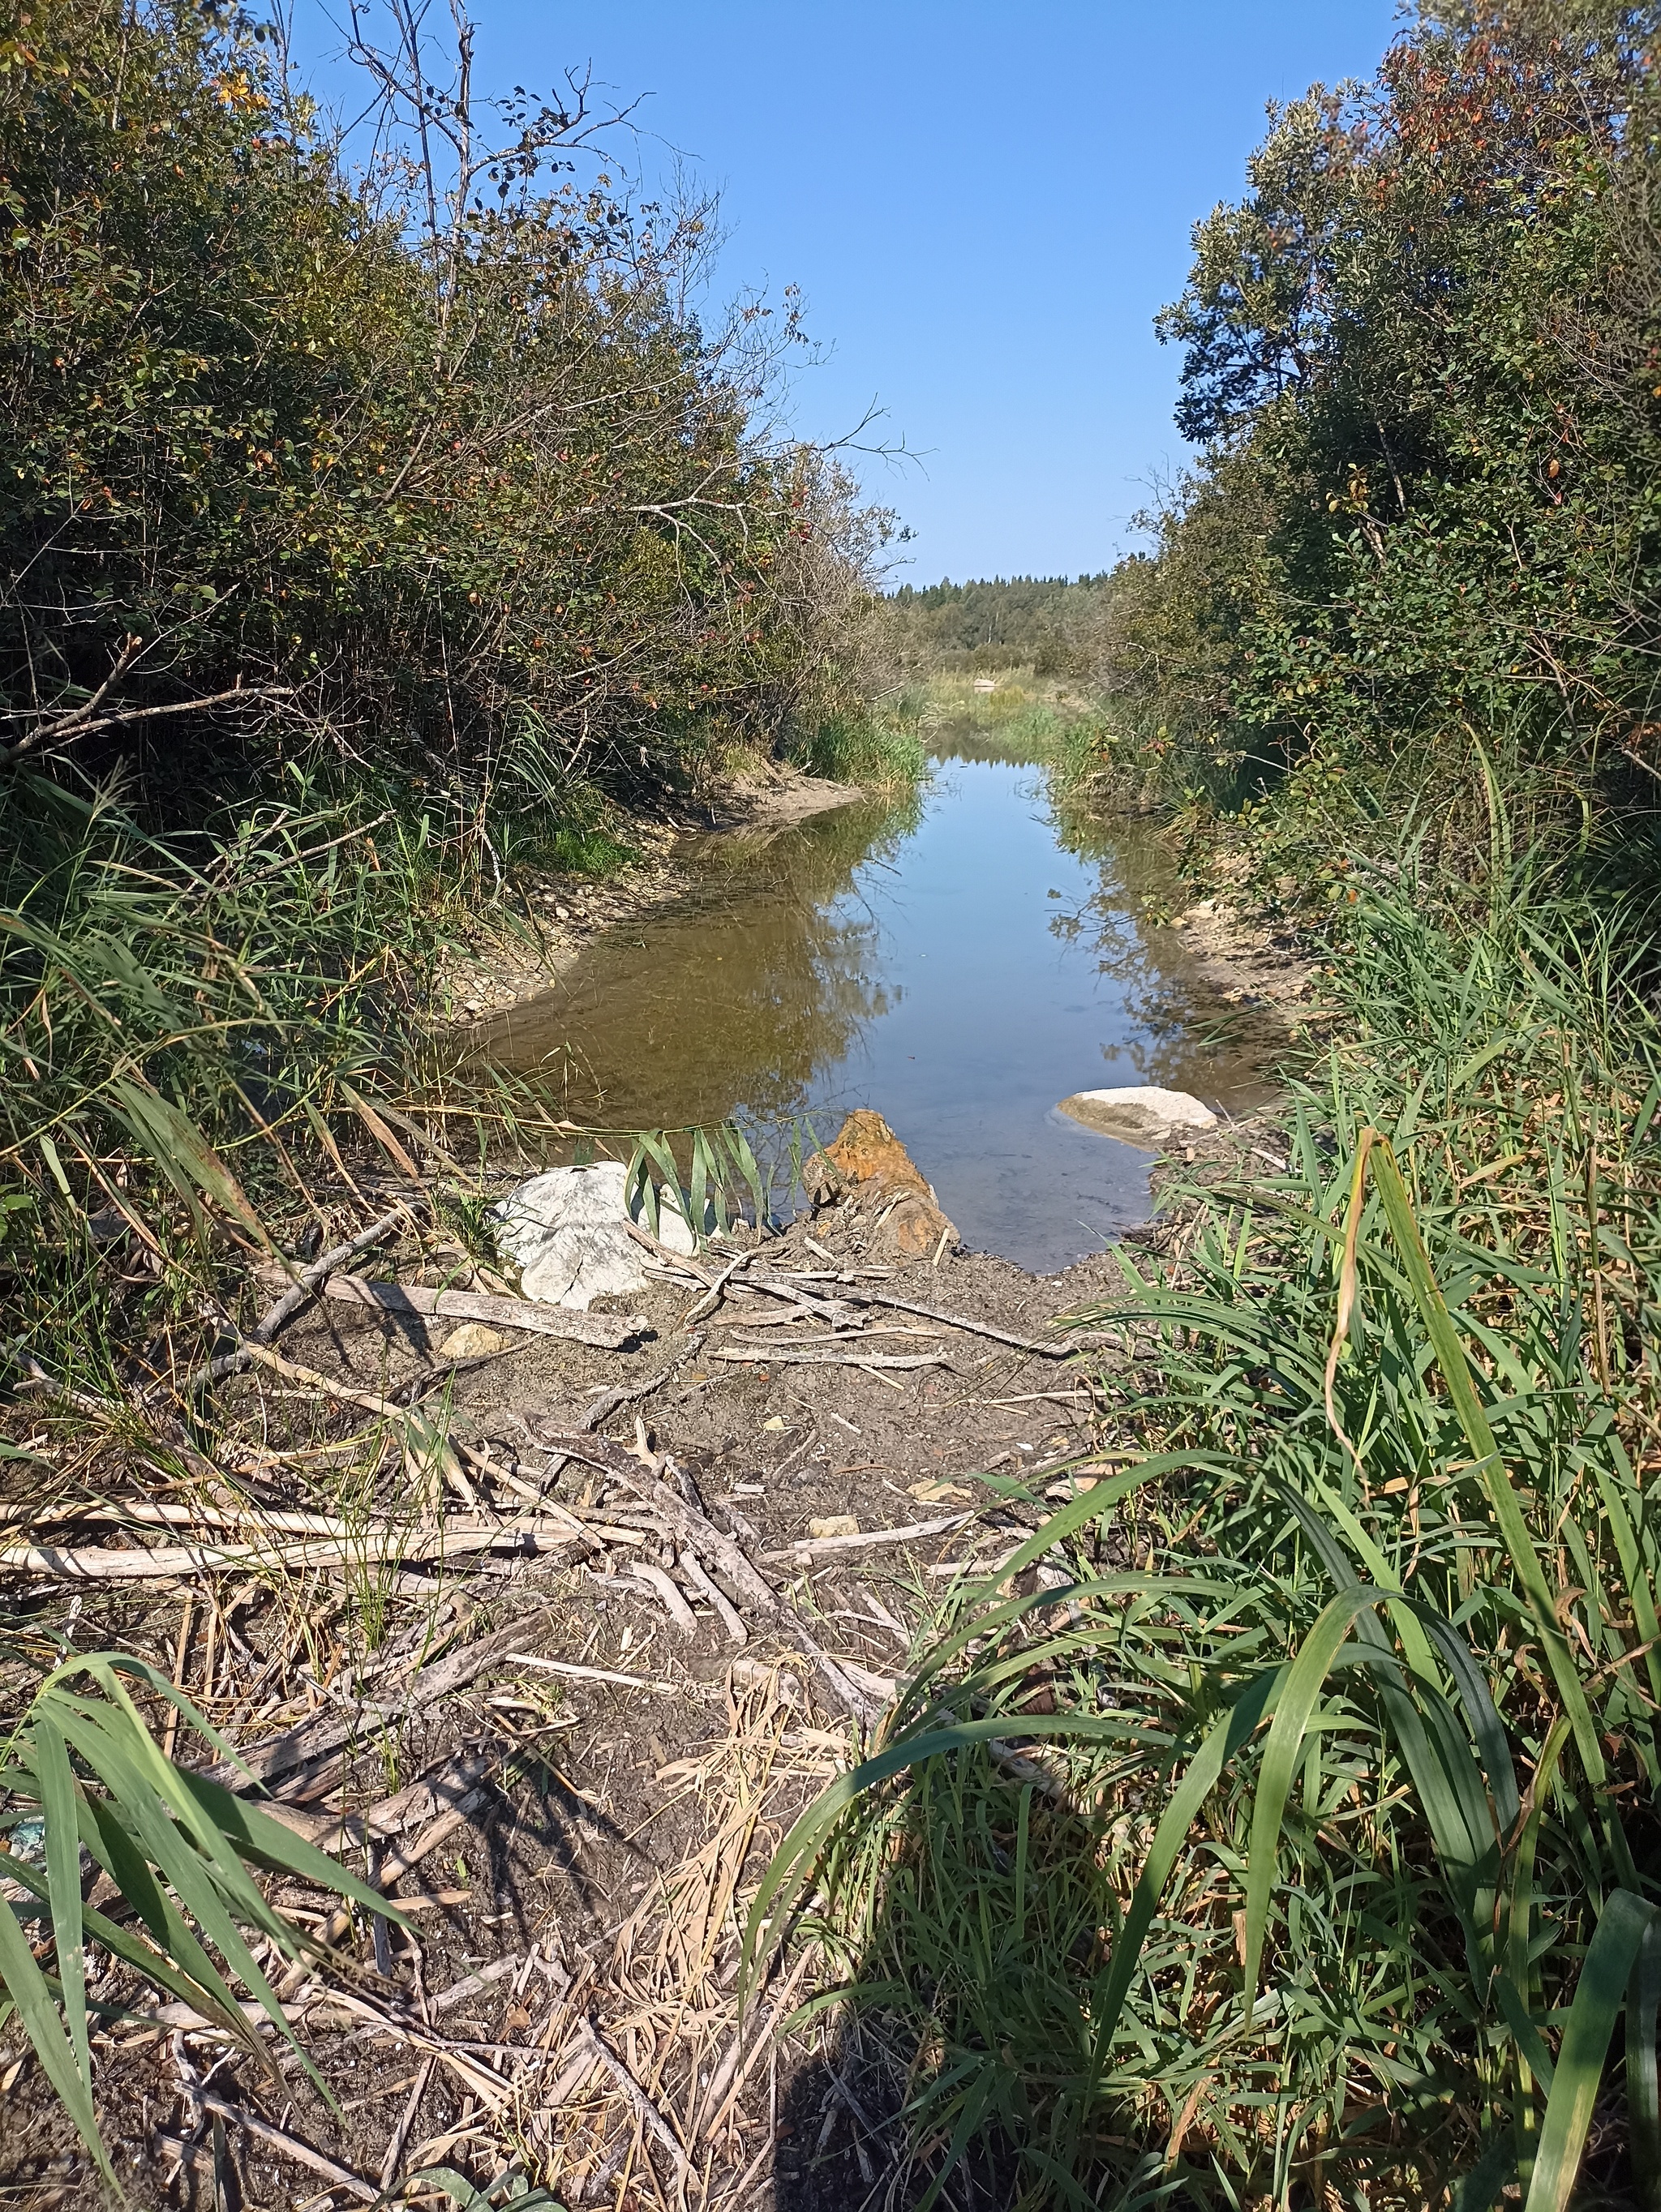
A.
pixel 952 963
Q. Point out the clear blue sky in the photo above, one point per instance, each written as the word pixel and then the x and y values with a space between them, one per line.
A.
pixel 984 203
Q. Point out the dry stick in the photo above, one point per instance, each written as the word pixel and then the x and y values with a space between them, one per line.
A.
pixel 855 1331
pixel 305 1286
pixel 165 1563
pixel 759 1355
pixel 397 1864
pixel 611 1331
pixel 712 1296
pixel 693 1528
pixel 394 2158
pixel 69 726
pixel 570 2080
pixel 312 852
pixel 644 2110
pixel 152 1512
pixel 827 1310
pixel 292 1372
pixel 570 1669
pixel 818 1547
pixel 316 1738
pixel 728 2082
pixel 736 1631
pixel 657 1579
pixel 952 1320
pixel 751 1317
pixel 369 1547
pixel 679 1261
pixel 290 2147
pixel 457 2056
pixel 604 1406
pixel 471 1985
pixel 822 1309
pixel 1056 1397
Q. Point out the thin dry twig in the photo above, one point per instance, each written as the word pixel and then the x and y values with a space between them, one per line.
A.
pixel 642 2106
pixel 290 2147
pixel 758 1355
pixel 821 1547
pixel 304 1287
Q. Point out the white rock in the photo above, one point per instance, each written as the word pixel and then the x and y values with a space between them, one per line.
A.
pixel 565 1232
pixel 1139 1114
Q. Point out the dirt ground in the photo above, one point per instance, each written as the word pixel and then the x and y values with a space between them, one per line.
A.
pixel 613 1820
pixel 559 1732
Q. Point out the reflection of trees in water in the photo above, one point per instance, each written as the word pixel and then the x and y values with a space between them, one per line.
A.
pixel 969 741
pixel 738 997
pixel 1184 1032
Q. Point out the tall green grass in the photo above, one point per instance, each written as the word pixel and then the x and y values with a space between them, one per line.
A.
pixel 881 749
pixel 1335 1880
pixel 81 1770
pixel 184 1025
pixel 1021 717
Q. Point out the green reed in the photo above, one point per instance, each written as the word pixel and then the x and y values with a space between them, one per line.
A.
pixel 1335 1877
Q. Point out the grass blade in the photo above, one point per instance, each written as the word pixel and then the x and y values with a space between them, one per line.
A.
pixel 1297 1702
pixel 1599 1995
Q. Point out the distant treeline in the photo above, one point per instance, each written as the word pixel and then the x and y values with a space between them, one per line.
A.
pixel 1050 623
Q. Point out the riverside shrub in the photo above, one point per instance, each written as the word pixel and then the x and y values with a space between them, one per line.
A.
pixel 489 510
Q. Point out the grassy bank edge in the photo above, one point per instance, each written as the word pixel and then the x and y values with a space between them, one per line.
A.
pixel 1052 1967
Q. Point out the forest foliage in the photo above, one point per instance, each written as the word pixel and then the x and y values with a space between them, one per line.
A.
pixel 432 467
pixel 1422 362
pixel 1048 623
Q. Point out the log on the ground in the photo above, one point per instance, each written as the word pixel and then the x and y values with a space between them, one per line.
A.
pixel 611 1331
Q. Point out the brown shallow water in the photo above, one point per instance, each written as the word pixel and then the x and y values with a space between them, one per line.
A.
pixel 957 963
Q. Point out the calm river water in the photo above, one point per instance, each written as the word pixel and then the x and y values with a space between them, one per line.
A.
pixel 956 964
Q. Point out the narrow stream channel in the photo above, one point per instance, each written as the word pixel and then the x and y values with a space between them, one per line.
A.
pixel 957 963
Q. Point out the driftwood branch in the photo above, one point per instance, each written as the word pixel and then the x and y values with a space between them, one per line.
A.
pixel 825 1547
pixel 303 1288
pixel 949 1320
pixel 834 1305
pixel 697 1532
pixel 758 1355
pixel 373 1546
pixel 611 1332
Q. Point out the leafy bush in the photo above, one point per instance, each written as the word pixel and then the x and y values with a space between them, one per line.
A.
pixel 295 459
pixel 1420 358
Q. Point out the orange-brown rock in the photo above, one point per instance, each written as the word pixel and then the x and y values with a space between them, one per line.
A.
pixel 870 1172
